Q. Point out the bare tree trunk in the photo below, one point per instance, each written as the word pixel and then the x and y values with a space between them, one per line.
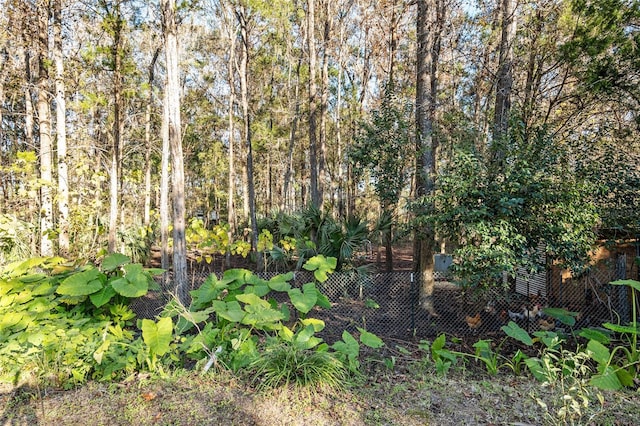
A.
pixel 61 133
pixel 44 124
pixel 28 103
pixel 340 184
pixel 324 103
pixel 231 206
pixel 3 181
pixel 430 21
pixel 313 106
pixel 505 79
pixel 29 119
pixel 147 140
pixel 244 93
pixel 288 200
pixel 164 184
pixel 175 142
pixel 116 149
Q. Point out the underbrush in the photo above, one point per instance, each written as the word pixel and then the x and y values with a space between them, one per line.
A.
pixel 68 325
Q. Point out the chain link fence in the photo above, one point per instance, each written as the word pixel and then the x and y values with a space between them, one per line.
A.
pixel 388 304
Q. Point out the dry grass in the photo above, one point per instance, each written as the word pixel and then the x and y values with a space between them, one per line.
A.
pixel 409 395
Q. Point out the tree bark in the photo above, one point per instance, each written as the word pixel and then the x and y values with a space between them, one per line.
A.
pixel 313 107
pixel 164 184
pixel 324 102
pixel 147 140
pixel 231 205
pixel 289 199
pixel 430 21
pixel 504 81
pixel 117 130
pixel 61 133
pixel 174 127
pixel 44 124
pixel 244 94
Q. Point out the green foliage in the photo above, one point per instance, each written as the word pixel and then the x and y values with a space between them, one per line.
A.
pixel 383 147
pixel 498 218
pixel 309 233
pixel 283 364
pixel 236 313
pixel 63 323
pixel 616 372
pixel 602 27
pixel 157 336
pixel 137 243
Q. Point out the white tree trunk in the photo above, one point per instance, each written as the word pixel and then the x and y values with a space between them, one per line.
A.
pixel 61 133
pixel 44 124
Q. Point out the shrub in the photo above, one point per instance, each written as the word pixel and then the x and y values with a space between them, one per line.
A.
pixel 62 322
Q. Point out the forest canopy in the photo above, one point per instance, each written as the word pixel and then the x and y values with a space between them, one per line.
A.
pixel 493 123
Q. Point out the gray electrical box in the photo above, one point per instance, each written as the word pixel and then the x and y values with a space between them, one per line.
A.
pixel 442 262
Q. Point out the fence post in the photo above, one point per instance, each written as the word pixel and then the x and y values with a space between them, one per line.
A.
pixel 622 291
pixel 413 304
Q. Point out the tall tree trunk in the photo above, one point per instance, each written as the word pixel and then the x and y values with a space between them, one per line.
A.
pixel 28 102
pixel 29 122
pixel 3 181
pixel 231 205
pixel 289 199
pixel 324 102
pixel 164 184
pixel 61 133
pixel 504 80
pixel 244 93
pixel 118 122
pixel 340 184
pixel 430 21
pixel 44 124
pixel 147 140
pixel 313 106
pixel 175 142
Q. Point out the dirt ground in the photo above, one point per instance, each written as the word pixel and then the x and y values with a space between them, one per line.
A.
pixel 407 394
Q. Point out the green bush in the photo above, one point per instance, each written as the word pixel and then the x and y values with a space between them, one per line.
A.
pixel 62 323
pixel 245 323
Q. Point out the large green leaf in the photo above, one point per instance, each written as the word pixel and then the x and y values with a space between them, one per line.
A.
pixel 81 284
pixel 135 282
pixel 630 283
pixel 599 352
pixel 158 335
pixel 348 345
pixel 514 330
pixel 608 380
pixel 103 296
pixel 621 328
pixel 317 324
pixel 259 290
pixel 252 299
pixel 114 260
pixel 126 288
pixel 263 317
pixel 303 300
pixel 370 339
pixel 305 338
pixel 208 291
pixel 236 277
pixel 562 315
pixel 321 266
pixel 593 334
pixel 535 367
pixel 281 282
pixel 231 311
